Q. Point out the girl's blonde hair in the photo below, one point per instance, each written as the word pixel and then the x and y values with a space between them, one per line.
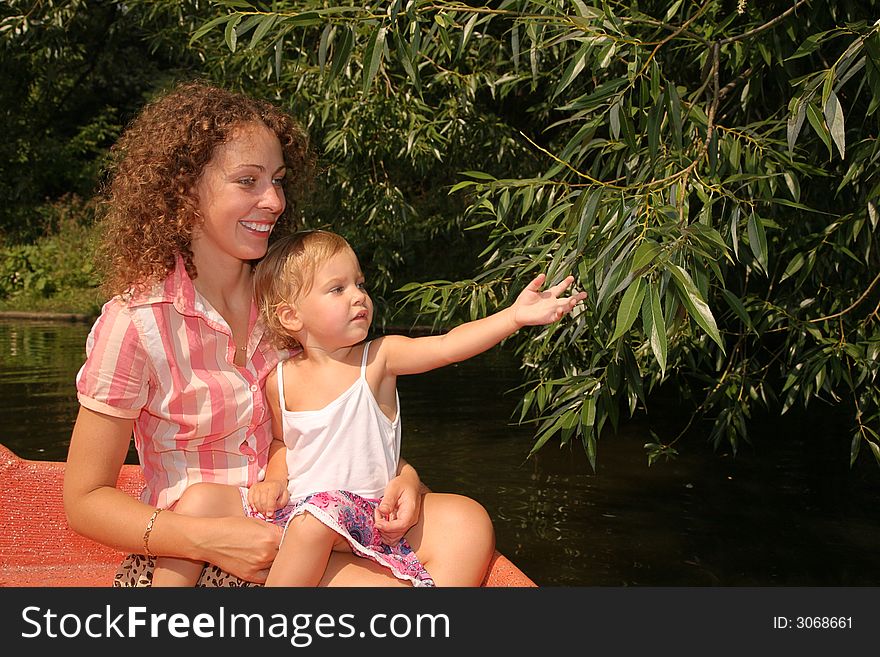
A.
pixel 149 207
pixel 288 271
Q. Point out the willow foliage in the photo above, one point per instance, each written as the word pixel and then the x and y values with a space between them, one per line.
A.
pixel 707 170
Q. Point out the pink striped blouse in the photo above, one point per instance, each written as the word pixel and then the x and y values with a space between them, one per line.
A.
pixel 165 360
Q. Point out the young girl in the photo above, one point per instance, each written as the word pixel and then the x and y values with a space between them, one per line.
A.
pixel 199 181
pixel 335 412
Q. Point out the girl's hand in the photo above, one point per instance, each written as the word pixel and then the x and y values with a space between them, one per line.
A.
pixel 536 308
pixel 399 509
pixel 267 496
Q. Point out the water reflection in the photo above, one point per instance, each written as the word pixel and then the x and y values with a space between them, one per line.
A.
pixel 787 511
pixel 38 362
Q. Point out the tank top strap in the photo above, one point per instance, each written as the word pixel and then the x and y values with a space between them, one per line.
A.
pixel 364 360
pixel 280 385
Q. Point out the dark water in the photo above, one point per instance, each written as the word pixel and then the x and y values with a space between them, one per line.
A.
pixel 786 511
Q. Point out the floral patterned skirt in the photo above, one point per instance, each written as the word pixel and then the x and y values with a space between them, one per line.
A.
pixel 351 516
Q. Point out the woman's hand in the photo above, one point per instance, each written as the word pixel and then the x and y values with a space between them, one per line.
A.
pixel 400 506
pixel 244 547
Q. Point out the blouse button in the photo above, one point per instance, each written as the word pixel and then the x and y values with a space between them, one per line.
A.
pixel 254 388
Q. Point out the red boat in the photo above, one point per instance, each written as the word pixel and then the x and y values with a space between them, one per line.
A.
pixel 37 548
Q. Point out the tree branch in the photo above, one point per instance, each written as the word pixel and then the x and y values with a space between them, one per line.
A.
pixel 766 26
pixel 851 306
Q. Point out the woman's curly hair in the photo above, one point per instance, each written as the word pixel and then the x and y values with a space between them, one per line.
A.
pixel 149 207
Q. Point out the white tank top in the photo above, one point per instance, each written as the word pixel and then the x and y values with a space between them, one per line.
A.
pixel 350 444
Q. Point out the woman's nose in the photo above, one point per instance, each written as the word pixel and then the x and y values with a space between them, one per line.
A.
pixel 273 199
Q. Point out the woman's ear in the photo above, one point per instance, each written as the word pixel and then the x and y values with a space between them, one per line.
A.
pixel 289 317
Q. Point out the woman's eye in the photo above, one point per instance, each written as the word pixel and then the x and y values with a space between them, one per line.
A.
pixel 278 181
pixel 246 181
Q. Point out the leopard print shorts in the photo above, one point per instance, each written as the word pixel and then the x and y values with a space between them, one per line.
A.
pixel 137 570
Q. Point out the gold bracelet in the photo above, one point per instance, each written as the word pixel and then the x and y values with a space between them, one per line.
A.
pixel 147 532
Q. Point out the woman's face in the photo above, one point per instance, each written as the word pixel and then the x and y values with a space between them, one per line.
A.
pixel 240 196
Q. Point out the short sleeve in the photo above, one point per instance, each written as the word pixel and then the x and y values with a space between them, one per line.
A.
pixel 114 379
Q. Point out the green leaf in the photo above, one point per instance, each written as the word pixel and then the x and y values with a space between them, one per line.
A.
pixel 674 112
pixel 229 35
pixel 575 66
pixel 479 175
pixel 588 412
pixel 655 116
pixel 734 230
pixel 734 154
pixel 655 325
pixel 305 19
pixel 404 56
pixel 548 430
pixel 696 306
pixel 375 49
pixel 210 25
pixel 607 54
pixel 645 254
pixel 514 46
pixel 629 133
pixel 875 448
pixel 461 185
pixel 279 50
pixel 264 26
pixel 341 53
pixel 818 125
pixel 614 120
pixel 738 308
pixel 811 44
pixel 758 240
pixel 673 9
pixel 324 45
pixel 589 441
pixel 629 308
pixel 796 121
pixel 587 216
pixel 793 267
pixel 248 24
pixel 834 119
pixel 793 185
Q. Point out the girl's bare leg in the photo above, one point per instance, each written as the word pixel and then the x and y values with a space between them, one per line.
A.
pixel 454 539
pixel 348 569
pixel 304 552
pixel 207 501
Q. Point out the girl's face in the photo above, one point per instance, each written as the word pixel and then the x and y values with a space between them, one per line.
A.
pixel 336 311
pixel 240 196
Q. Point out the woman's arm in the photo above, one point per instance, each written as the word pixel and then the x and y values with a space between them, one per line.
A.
pixel 98 510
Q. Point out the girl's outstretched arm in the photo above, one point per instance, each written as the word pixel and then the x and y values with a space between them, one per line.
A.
pixel 533 307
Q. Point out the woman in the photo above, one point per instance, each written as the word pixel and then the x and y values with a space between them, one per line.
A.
pixel 177 357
